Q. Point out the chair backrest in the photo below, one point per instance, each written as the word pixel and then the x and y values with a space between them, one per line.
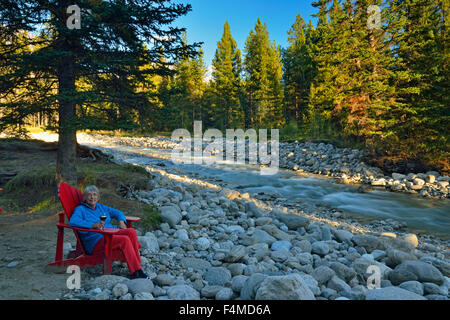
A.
pixel 70 198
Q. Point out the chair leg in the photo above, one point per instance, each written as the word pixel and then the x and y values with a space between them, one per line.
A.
pixel 59 244
pixel 108 254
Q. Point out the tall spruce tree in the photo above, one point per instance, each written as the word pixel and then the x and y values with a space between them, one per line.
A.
pixel 109 47
pixel 263 72
pixel 226 76
pixel 298 70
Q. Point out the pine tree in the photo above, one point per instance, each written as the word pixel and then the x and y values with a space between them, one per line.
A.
pixel 422 76
pixel 228 111
pixel 110 41
pixel 263 72
pixel 298 70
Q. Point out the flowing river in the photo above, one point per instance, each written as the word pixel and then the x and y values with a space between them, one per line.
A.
pixel 421 215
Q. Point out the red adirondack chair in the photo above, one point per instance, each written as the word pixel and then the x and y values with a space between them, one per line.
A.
pixel 70 198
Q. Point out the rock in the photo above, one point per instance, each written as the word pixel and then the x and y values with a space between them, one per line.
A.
pixel 251 285
pixel 430 178
pixel 281 245
pixel 260 236
pixel 236 268
pixel 182 292
pixel 202 243
pixel 164 280
pixel 139 285
pixel 236 254
pixel 210 291
pixel 338 284
pixel 392 293
pixel 195 263
pixel 238 282
pixel 399 276
pixel 431 288
pixel 290 287
pixel 277 233
pixel 425 272
pixel 181 234
pixel 102 296
pixel 343 235
pixel 326 233
pixel 262 221
pixel 312 283
pixel 442 265
pixel 342 271
pixel 119 290
pixel 304 246
pixel 224 294
pixel 412 238
pixel 293 221
pixel 396 257
pixel 170 215
pixel 143 296
pixel 217 276
pixel 321 248
pixel 398 176
pixel 323 274
pixel 149 242
pixel 418 182
pixel 368 242
pixel 12 264
pixel 105 282
pixel 413 286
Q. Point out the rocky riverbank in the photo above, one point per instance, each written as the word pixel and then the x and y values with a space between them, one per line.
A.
pixel 345 165
pixel 217 243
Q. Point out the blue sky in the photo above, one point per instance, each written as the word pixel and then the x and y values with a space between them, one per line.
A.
pixel 205 21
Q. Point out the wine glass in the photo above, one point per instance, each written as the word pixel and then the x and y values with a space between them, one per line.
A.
pixel 103 218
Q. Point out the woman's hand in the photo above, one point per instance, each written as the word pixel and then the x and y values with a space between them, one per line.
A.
pixel 122 224
pixel 98 225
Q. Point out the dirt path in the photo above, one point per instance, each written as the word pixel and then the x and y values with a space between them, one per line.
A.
pixel 30 241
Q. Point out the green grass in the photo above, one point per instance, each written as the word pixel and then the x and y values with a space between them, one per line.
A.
pixel 151 217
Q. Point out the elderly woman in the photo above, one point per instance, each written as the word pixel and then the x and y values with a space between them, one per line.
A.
pixel 87 215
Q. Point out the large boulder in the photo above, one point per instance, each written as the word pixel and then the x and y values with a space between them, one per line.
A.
pixel 293 221
pixel 251 285
pixel 368 242
pixel 290 287
pixel 425 272
pixel 171 215
pixel 392 293
pixel 183 292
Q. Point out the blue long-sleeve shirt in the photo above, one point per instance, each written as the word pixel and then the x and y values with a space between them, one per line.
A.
pixel 84 217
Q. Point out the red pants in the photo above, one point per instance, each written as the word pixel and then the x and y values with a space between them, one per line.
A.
pixel 125 240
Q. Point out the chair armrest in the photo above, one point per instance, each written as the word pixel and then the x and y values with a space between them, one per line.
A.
pixel 104 231
pixel 130 221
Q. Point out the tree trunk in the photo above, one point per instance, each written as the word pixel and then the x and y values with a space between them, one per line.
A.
pixel 67 144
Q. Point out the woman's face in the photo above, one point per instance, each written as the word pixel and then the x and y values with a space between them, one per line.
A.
pixel 91 198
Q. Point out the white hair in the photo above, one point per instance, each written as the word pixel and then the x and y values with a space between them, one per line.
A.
pixel 90 189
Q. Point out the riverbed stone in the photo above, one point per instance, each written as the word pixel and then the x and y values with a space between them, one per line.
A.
pixel 343 235
pixel 425 272
pixel 392 293
pixel 170 215
pixel 413 286
pixel 217 276
pixel 251 285
pixel 290 287
pixel 323 274
pixel 293 221
pixel 182 292
pixel 321 248
pixel 281 245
